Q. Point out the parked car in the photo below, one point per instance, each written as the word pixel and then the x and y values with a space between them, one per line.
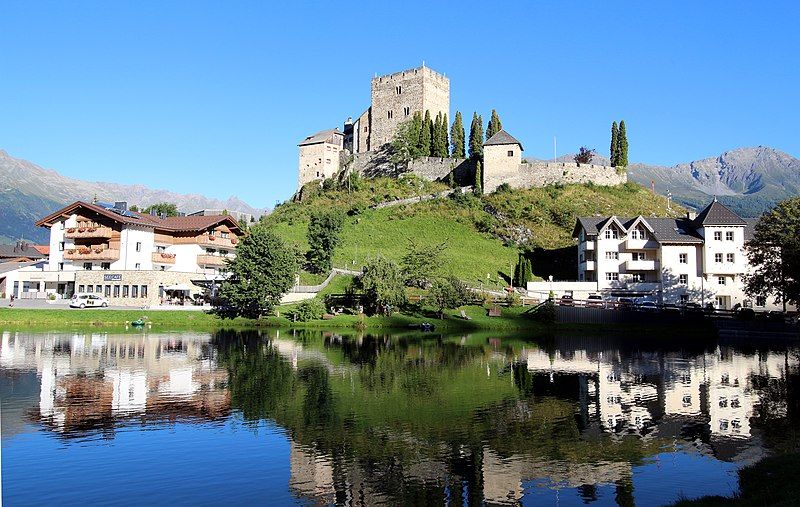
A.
pixel 83 300
pixel 647 306
pixel 624 303
pixel 566 300
pixel 595 301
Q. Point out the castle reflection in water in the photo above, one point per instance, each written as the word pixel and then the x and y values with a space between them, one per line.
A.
pixel 706 400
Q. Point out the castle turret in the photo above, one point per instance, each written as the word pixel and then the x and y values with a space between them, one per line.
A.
pixel 502 156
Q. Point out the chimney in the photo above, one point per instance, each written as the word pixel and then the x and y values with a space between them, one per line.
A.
pixel 691 215
pixel 162 216
pixel 121 205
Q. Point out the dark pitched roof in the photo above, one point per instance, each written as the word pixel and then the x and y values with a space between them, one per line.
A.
pixel 665 230
pixel 717 213
pixel 323 136
pixel 502 138
pixel 20 250
pixel 186 223
pixel 6 267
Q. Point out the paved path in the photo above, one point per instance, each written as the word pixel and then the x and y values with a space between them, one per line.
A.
pixel 64 305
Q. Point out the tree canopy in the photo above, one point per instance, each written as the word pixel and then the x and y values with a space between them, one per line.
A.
pixel 324 234
pixel 495 125
pixel 584 155
pixel 774 254
pixel 382 284
pixel 166 208
pixel 262 272
pixel 476 137
pixel 449 292
pixel 457 137
pixel 421 263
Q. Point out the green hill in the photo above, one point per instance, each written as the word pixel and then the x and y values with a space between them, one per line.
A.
pixel 481 234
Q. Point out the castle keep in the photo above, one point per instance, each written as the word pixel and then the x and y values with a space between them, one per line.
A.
pixel 395 99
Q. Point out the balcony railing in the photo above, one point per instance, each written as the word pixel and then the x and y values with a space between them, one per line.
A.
pixel 211 260
pixel 88 232
pixel 641 244
pixel 589 245
pixel 91 254
pixel 217 241
pixel 642 265
pixel 163 258
pixel 588 265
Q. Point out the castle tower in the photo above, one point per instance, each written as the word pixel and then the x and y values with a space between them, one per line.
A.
pixel 396 97
pixel 502 156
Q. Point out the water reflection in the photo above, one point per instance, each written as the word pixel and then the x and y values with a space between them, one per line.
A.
pixel 458 420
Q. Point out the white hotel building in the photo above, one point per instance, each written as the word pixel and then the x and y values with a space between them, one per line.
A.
pixel 131 258
pixel 698 259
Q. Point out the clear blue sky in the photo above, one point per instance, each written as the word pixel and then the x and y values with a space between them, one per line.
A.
pixel 213 97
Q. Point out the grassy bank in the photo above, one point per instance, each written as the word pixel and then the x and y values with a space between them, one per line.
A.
pixel 772 481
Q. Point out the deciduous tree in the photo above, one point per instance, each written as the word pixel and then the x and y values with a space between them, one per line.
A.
pixel 449 292
pixel 774 254
pixel 584 156
pixel 421 263
pixel 382 284
pixel 262 272
pixel 324 231
pixel 166 208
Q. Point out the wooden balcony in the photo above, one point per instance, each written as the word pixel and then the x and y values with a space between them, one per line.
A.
pixel 217 241
pixel 91 254
pixel 211 260
pixel 163 258
pixel 88 232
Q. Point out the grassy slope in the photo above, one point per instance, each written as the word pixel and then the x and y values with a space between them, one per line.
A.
pixel 549 213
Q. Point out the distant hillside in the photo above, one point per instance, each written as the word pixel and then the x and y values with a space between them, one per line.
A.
pixel 748 180
pixel 480 234
pixel 29 192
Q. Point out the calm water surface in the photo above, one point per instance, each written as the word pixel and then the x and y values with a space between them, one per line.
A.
pixel 317 418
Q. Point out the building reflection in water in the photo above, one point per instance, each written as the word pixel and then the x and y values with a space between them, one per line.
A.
pixel 522 404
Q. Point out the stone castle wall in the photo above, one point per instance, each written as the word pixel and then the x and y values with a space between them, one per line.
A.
pixel 378 163
pixel 542 174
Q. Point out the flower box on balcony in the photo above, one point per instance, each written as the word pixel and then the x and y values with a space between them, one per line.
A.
pixel 211 238
pixel 82 229
pixel 71 230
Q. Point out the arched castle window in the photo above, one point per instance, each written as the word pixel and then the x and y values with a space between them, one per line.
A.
pixel 407 110
pixel 389 114
pixel 398 89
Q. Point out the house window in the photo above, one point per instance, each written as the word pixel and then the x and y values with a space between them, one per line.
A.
pixel 138 246
pixel 134 291
pixel 407 110
pixel 683 258
pixel 87 266
pixel 718 258
pixel 398 89
pixel 81 288
pixel 61 246
pixel 61 266
pixel 224 235
pixel 638 277
pixel 389 114
pixel 612 255
pixel 639 256
pixel 137 266
pixel 684 298
pixel 761 301
pixel 89 288
pixel 143 292
pixel 717 235
pixel 161 249
pixel 116 291
pixel 510 153
pixel 125 291
pixel 107 291
pixel 98 289
pixel 730 257
pixel 720 280
pixel 683 279
pixel 105 266
pixel 612 277
pixel 612 233
pixel 729 235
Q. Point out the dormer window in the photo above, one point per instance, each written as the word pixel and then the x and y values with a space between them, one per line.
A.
pixel 611 233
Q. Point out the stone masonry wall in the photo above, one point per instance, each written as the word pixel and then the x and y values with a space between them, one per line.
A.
pixel 378 163
pixel 151 279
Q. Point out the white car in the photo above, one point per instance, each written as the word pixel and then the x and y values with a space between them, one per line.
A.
pixel 82 300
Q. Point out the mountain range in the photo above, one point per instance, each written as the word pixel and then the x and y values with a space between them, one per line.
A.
pixel 29 192
pixel 748 180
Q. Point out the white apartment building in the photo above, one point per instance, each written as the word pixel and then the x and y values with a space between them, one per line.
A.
pixel 131 258
pixel 698 259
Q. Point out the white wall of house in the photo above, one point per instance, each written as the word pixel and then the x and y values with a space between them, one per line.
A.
pixel 137 245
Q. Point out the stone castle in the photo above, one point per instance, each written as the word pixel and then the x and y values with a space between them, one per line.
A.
pixel 362 145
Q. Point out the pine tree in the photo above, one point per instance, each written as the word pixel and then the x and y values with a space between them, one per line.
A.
pixel 457 137
pixel 494 126
pixel 478 188
pixel 476 137
pixel 614 151
pixel 623 145
pixel 425 136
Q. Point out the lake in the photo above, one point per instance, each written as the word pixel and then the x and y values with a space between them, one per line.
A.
pixel 284 417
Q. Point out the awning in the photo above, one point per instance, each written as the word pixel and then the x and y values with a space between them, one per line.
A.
pixel 181 287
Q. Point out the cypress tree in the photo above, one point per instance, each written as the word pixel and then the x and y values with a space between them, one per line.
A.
pixel 478 188
pixel 476 137
pixel 425 136
pixel 494 126
pixel 437 125
pixel 445 139
pixel 457 137
pixel 614 151
pixel 528 270
pixel 623 145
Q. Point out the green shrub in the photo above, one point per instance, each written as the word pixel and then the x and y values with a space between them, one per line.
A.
pixel 513 299
pixel 545 312
pixel 310 309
